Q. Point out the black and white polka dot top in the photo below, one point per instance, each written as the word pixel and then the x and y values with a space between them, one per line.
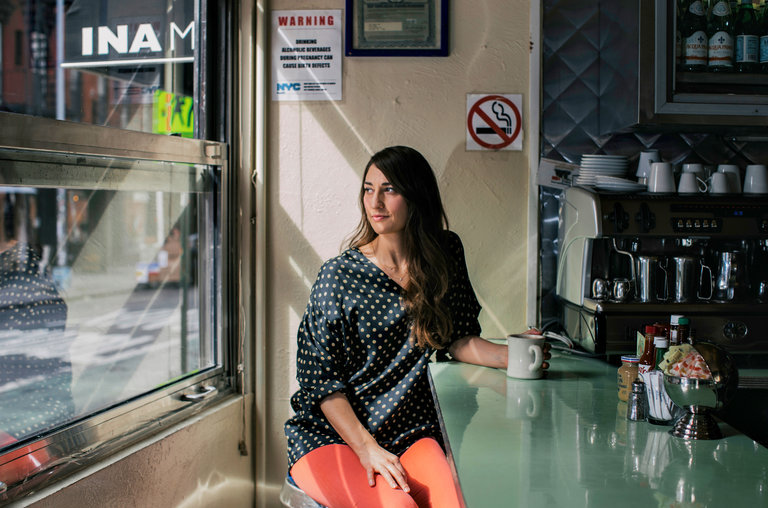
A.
pixel 354 339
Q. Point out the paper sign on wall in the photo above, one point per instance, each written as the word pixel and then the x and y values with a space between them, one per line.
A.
pixel 306 55
pixel 494 122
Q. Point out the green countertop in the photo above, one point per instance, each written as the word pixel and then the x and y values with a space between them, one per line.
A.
pixel 564 441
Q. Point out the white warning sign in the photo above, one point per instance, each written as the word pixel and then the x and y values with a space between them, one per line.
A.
pixel 494 122
pixel 306 55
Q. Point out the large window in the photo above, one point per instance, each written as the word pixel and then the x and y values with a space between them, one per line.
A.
pixel 127 64
pixel 112 292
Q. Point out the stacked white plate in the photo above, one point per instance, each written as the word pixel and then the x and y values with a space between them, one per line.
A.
pixel 606 172
pixel 612 183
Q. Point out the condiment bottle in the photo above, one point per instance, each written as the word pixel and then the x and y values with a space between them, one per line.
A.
pixel 675 339
pixel 683 330
pixel 649 332
pixel 662 329
pixel 647 360
pixel 627 373
pixel 661 345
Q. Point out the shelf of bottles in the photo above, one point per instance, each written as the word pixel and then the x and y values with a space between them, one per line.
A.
pixel 721 46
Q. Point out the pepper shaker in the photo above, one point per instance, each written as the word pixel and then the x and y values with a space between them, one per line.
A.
pixel 637 405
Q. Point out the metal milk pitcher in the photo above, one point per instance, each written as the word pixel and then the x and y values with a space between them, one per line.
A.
pixel 651 280
pixel 731 278
pixel 688 283
pixel 683 278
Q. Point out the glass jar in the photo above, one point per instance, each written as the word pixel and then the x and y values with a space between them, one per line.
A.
pixel 626 374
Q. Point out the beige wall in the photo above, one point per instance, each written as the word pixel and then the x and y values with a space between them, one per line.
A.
pixel 317 151
pixel 196 464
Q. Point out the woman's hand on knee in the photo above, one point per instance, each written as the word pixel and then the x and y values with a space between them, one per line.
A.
pixel 376 459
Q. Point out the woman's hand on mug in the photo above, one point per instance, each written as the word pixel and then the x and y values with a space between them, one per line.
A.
pixel 547 355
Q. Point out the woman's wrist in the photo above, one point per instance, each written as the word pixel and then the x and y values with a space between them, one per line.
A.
pixel 360 441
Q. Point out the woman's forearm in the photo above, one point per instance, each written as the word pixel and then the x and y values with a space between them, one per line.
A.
pixel 344 421
pixel 373 457
pixel 478 351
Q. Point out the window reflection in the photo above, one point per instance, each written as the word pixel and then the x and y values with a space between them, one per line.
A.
pixel 103 295
pixel 103 62
pixel 35 366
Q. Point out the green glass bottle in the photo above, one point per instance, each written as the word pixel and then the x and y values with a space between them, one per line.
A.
pixel 764 39
pixel 678 37
pixel 720 31
pixel 693 31
pixel 747 38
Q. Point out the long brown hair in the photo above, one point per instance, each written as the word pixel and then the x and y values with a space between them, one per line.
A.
pixel 412 176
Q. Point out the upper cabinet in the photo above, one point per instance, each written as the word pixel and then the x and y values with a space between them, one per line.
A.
pixel 682 64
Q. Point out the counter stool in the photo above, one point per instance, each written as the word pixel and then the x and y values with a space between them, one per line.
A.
pixel 292 496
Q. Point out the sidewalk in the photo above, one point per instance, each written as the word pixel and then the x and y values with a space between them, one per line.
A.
pixel 82 285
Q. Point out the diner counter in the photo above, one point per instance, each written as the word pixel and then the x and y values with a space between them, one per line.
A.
pixel 564 441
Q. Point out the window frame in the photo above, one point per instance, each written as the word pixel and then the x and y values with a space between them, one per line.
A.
pixel 100 435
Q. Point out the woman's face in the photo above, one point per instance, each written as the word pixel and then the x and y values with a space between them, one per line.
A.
pixel 385 208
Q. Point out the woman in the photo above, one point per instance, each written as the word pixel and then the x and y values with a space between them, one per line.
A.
pixel 376 314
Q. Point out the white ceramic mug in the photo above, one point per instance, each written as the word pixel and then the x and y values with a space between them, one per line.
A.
pixel 718 183
pixel 734 180
pixel 693 167
pixel 647 157
pixel 756 179
pixel 525 356
pixel 690 183
pixel 661 178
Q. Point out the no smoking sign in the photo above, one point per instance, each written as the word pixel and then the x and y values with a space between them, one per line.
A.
pixel 494 122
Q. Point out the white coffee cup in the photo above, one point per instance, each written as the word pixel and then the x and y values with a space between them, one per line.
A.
pixel 718 183
pixel 525 355
pixel 756 179
pixel 661 178
pixel 734 180
pixel 647 157
pixel 693 167
pixel 690 183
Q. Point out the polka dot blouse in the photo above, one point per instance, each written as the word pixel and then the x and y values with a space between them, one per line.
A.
pixel 354 339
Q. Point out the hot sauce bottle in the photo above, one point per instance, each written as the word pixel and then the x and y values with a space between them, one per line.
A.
pixel 647 360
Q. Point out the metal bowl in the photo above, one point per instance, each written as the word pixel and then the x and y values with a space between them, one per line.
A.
pixel 700 397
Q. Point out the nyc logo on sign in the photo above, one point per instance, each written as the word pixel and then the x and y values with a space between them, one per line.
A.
pixel 288 87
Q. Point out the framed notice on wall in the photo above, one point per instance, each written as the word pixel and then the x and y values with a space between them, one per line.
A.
pixel 306 55
pixel 396 28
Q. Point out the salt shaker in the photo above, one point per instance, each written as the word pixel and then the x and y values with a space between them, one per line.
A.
pixel 637 406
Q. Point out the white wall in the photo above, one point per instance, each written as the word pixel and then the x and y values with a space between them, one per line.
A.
pixel 317 151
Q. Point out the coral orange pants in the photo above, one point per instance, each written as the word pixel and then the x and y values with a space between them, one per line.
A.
pixel 333 476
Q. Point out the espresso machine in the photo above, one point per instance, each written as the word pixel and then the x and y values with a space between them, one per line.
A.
pixel 628 260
